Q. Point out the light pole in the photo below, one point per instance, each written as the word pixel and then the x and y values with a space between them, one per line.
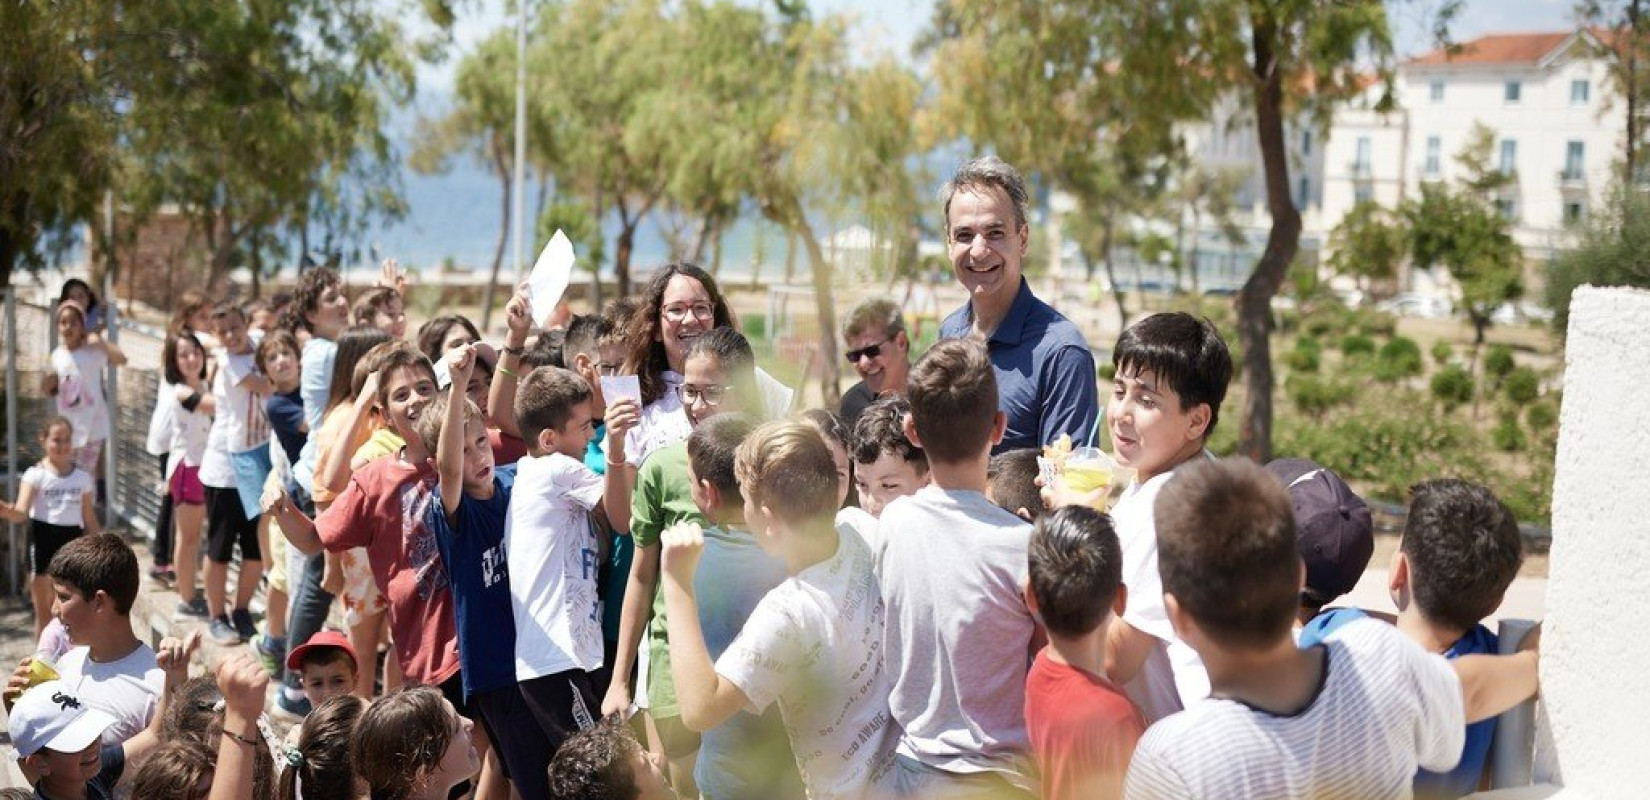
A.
pixel 518 199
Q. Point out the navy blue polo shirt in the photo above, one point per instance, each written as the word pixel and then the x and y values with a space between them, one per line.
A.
pixel 1045 372
pixel 473 550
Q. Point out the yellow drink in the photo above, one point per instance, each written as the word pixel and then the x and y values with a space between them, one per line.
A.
pixel 40 671
pixel 1086 476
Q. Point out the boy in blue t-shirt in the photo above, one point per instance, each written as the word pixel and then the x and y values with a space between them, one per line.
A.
pixel 469 532
pixel 1461 550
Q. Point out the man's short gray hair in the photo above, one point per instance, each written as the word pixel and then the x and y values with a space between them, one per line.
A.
pixel 985 173
pixel 874 314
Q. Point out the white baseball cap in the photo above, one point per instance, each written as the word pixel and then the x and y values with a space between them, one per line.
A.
pixel 53 716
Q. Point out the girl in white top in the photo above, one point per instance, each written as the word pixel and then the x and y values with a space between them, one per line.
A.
pixel 187 395
pixel 76 381
pixel 57 500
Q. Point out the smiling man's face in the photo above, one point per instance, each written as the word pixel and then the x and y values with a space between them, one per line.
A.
pixel 987 244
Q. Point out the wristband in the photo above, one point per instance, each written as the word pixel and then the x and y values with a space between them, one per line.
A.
pixel 512 351
pixel 249 742
pixel 507 371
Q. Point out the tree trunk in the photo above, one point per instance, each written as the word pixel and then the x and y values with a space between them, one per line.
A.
pixel 1254 300
pixel 1106 240
pixel 790 255
pixel 1632 90
pixel 830 375
pixel 714 233
pixel 501 168
pixel 621 258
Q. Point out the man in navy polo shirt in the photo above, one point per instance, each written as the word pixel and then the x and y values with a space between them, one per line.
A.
pixel 1045 372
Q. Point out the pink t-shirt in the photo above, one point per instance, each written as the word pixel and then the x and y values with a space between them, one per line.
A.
pixel 384 509
pixel 1083 731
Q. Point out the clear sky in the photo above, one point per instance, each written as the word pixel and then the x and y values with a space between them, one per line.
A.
pixel 894 24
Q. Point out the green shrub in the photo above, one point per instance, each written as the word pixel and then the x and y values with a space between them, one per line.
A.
pixel 1522 385
pixel 1399 358
pixel 1452 386
pixel 1306 355
pixel 1380 442
pixel 1313 396
pixel 1542 417
pixel 1354 345
pixel 1321 323
pixel 1498 361
pixel 1507 436
pixel 1442 352
pixel 1370 322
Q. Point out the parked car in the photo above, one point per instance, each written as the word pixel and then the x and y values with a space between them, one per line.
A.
pixel 1411 304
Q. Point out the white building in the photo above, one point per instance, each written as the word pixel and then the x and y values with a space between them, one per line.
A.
pixel 1558 132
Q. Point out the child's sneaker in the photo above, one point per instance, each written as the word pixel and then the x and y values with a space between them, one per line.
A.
pixel 165 576
pixel 223 632
pixel 194 608
pixel 271 653
pixel 242 620
pixel 296 706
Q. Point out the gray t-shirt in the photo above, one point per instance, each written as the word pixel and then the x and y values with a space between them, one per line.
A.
pixel 958 637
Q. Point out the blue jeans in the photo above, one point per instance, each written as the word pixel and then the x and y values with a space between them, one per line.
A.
pixel 309 604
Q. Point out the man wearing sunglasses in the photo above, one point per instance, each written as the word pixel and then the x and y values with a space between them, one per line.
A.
pixel 879 351
pixel 1045 370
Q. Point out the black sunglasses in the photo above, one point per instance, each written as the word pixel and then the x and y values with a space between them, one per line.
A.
pixel 868 351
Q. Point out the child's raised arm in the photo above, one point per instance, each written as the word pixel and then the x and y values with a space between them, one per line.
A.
pixel 501 395
pixel 1491 685
pixel 449 451
pixel 172 655
pixel 706 698
pixel 243 682
pixel 333 475
pixel 298 528
pixel 622 415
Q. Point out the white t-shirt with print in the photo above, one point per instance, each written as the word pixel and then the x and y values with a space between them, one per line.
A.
pixel 57 498
pixel 127 689
pixel 551 549
pixel 238 424
pixel 814 645
pixel 1173 676
pixel 80 392
pixel 186 438
pixel 664 423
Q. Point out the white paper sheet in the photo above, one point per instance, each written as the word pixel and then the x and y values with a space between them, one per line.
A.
pixel 548 280
pixel 616 387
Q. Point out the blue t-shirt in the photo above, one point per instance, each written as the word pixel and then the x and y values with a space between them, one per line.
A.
pixel 1462 780
pixel 473 550
pixel 1046 381
pixel 286 418
pixel 734 758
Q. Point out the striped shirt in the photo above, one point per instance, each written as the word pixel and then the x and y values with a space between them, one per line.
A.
pixel 1385 708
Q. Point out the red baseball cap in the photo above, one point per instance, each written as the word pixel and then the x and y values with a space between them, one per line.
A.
pixel 295 659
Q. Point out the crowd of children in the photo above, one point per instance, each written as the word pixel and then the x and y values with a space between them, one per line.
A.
pixel 677 585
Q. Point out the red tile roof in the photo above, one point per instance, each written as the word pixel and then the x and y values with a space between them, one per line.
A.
pixel 1498 48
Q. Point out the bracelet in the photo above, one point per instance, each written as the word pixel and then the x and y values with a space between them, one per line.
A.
pixel 507 371
pixel 249 742
pixel 620 463
pixel 512 351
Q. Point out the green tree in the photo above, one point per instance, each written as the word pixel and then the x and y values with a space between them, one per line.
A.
pixel 1456 229
pixel 1612 248
pixel 1625 49
pixel 1367 245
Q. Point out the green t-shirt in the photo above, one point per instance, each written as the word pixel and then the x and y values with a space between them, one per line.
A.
pixel 663 497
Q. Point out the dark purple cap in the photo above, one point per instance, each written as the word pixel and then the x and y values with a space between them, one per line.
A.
pixel 1336 533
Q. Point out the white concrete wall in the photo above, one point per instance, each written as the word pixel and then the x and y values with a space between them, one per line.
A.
pixel 1595 668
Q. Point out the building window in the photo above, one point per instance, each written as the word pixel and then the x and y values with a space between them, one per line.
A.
pixel 1513 92
pixel 1362 194
pixel 1306 142
pixel 1508 208
pixel 1437 91
pixel 1360 162
pixel 1573 211
pixel 1580 89
pixel 1435 148
pixel 1575 160
pixel 1305 198
pixel 1509 157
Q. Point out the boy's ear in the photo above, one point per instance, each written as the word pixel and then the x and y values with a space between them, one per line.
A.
pixel 1022 513
pixel 999 426
pixel 1198 421
pixel 1120 603
pixel 1397 579
pixel 1031 599
pixel 582 362
pixel 1184 626
pixel 713 495
pixel 547 439
pixel 909 427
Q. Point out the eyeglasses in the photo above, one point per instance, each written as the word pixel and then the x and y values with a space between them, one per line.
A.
pixel 680 313
pixel 607 368
pixel 712 395
pixel 868 351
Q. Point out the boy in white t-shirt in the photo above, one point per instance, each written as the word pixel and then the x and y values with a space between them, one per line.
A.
pixel 1353 717
pixel 813 644
pixel 1171 375
pixel 959 636
pixel 95 579
pixel 552 550
pixel 240 433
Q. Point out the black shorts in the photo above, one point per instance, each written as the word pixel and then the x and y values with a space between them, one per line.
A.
pixel 562 704
pixel 522 747
pixel 45 539
pixel 227 525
